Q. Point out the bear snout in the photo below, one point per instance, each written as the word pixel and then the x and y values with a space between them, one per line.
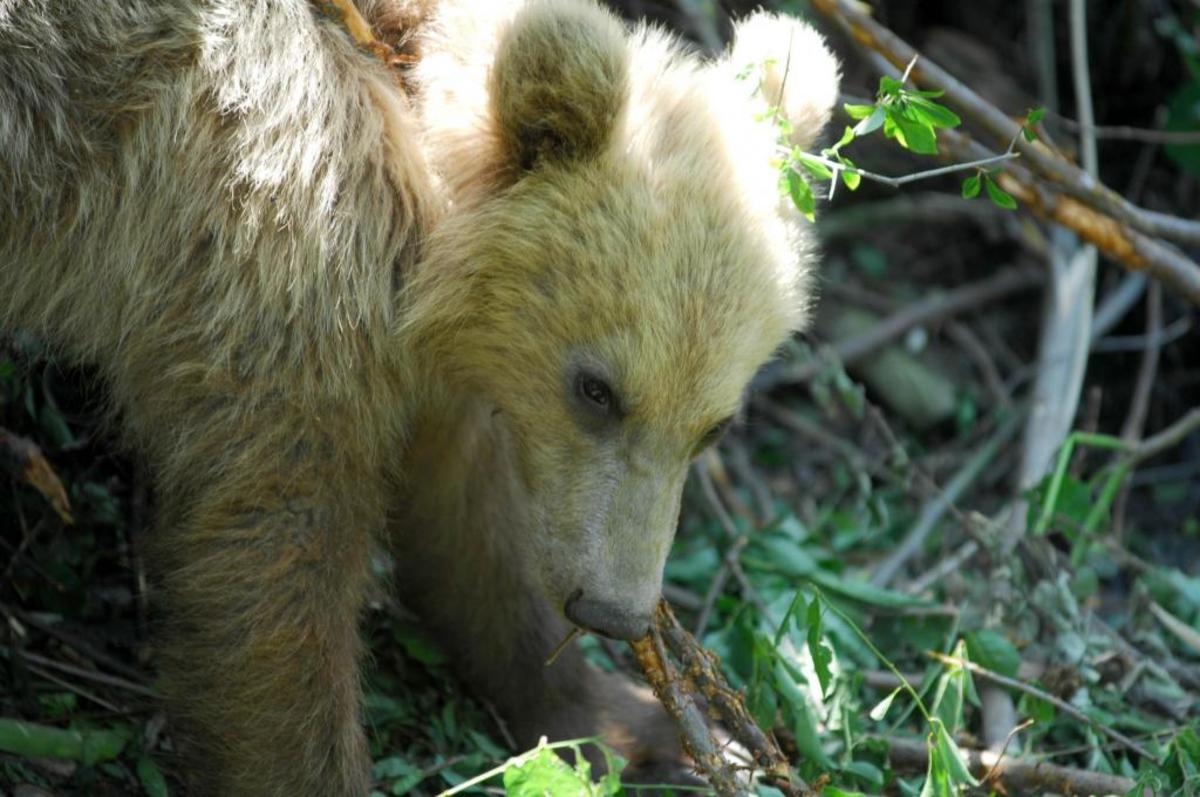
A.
pixel 604 618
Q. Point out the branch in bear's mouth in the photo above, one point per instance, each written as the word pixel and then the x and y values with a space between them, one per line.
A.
pixel 678 695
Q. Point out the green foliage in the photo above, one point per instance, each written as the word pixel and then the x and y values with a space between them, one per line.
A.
pixel 541 771
pixel 546 773
pixel 908 117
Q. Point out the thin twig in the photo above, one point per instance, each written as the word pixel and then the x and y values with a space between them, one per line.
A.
pixel 905 179
pixel 1128 133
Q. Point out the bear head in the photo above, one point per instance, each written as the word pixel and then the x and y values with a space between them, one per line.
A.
pixel 616 263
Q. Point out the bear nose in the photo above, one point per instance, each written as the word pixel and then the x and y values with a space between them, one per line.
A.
pixel 604 618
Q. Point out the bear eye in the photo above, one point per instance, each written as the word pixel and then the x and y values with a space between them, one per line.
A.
pixel 714 434
pixel 595 392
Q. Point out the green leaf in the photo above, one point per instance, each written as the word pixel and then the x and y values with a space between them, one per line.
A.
pixel 948 699
pixel 1035 116
pixel 864 591
pixel 914 135
pixel 859 111
pixel 871 123
pixel 847 137
pixel 802 722
pixel 881 708
pixel 998 195
pixel 851 178
pixel 937 778
pixel 933 114
pixel 801 194
pixel 545 773
pixel 991 650
pixel 970 187
pixel 822 656
pixel 956 766
pixel 889 87
pixel 153 782
pixel 814 166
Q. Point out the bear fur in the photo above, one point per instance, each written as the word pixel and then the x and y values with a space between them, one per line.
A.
pixel 484 316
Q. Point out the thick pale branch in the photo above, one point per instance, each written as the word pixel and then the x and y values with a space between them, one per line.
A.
pixel 1117 241
pixel 1015 774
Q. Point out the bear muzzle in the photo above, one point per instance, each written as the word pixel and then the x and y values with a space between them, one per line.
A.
pixel 606 619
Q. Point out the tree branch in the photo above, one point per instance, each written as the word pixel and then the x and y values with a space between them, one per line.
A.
pixel 1132 222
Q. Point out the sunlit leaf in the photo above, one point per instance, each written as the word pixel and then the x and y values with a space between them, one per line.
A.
pixel 822 656
pixel 998 195
pixel 801 194
pixel 932 113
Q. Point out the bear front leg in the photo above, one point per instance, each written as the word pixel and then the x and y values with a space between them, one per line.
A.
pixel 262 573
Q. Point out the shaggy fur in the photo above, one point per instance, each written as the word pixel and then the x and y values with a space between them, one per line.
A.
pixel 328 305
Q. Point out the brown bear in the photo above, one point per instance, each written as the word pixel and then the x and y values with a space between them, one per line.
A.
pixel 483 314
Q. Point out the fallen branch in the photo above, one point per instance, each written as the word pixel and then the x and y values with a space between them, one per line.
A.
pixel 1120 243
pixel 1014 774
pixel 676 690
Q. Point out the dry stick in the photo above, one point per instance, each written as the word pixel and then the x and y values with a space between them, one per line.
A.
pixel 1015 773
pixel 1167 439
pixel 868 33
pixel 1040 694
pixel 89 675
pixel 1095 212
pixel 80 646
pixel 932 308
pixel 697 738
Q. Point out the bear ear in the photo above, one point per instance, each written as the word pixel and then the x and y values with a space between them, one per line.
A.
pixel 558 82
pixel 792 68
